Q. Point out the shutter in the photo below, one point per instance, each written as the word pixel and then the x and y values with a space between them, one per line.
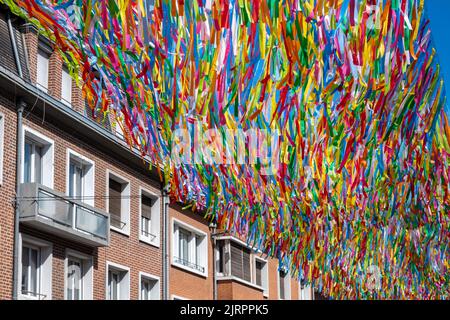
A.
pixel 115 202
pixel 236 260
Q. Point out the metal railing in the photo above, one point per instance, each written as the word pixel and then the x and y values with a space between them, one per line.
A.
pixel 116 222
pixel 148 235
pixel 189 264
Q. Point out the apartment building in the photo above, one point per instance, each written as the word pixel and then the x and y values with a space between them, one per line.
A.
pixel 83 217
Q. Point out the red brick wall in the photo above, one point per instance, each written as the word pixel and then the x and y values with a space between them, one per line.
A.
pixel 234 290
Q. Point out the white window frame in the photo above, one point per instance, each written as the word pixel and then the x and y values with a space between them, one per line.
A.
pixel 45 267
pixel 47 159
pixel 2 150
pixel 204 253
pixel 155 223
pixel 177 297
pixel 124 286
pixel 264 274
pixel 65 73
pixel 46 56
pixel 156 291
pixel 89 190
pixel 87 292
pixel 125 201
pixel 287 286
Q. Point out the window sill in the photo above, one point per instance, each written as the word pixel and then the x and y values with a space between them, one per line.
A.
pixel 154 243
pixel 27 297
pixel 191 270
pixel 124 232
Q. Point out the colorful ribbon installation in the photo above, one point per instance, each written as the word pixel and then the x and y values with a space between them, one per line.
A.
pixel 353 88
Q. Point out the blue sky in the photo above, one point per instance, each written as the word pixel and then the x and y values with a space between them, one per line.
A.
pixel 439 13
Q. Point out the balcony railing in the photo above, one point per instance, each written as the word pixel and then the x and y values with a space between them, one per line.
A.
pixel 189 264
pixel 47 209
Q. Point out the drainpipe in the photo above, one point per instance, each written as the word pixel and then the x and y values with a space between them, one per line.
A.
pixel 213 228
pixel 14 45
pixel 20 108
pixel 165 244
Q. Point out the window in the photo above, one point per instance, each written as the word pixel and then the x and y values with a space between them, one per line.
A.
pixel 74 279
pixel 118 284
pixel 31 270
pixel 35 269
pixel 33 161
pixel 190 250
pixel 78 276
pixel 37 159
pixel 80 181
pixel 149 287
pixel 66 87
pixel 42 70
pixel 118 199
pixel 284 287
pixel 2 132
pixel 150 208
pixel 236 260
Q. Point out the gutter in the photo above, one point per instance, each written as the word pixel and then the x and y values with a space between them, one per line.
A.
pixel 20 108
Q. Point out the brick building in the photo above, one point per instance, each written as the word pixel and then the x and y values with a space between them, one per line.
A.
pixel 82 216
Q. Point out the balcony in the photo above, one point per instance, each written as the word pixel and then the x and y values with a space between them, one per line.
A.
pixel 48 210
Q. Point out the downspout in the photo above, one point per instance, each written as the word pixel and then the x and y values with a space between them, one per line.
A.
pixel 14 45
pixel 20 108
pixel 165 244
pixel 214 243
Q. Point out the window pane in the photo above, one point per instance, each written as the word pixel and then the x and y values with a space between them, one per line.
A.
pixel 183 244
pixel 71 180
pixel 38 152
pixel 221 262
pixel 27 162
pixel 282 284
pixel 25 269
pixel 198 241
pixel 113 280
pixel 78 181
pixel 74 279
pixel 258 268
pixel 66 87
pixel 34 265
pixel 42 71
pixel 115 202
pixel 145 289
